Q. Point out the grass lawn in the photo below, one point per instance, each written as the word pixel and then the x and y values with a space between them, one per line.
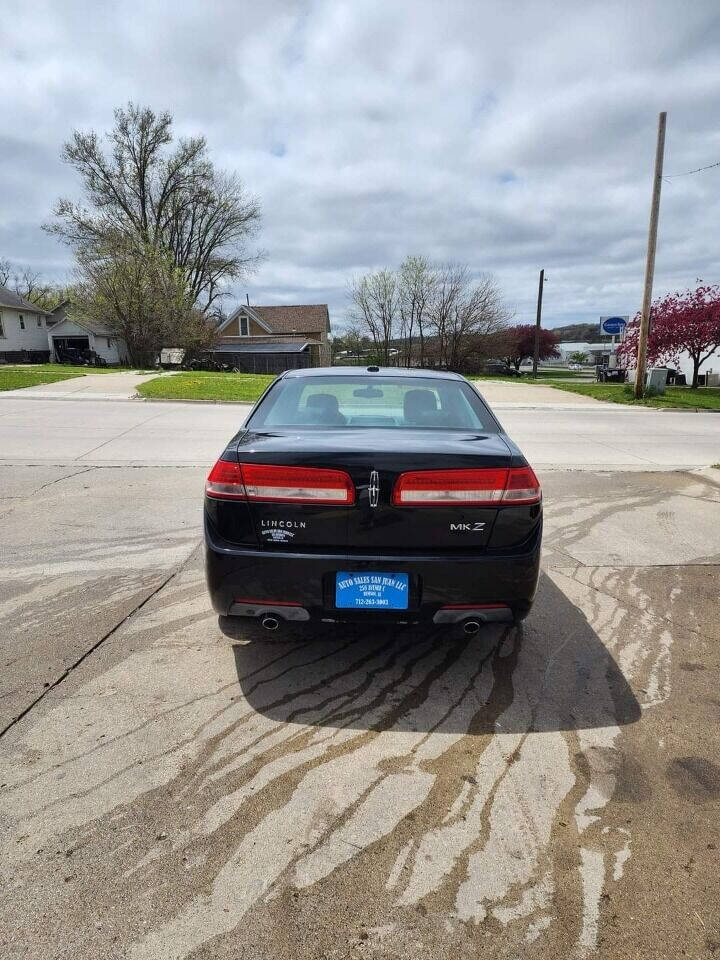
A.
pixel 243 387
pixel 704 398
pixel 14 378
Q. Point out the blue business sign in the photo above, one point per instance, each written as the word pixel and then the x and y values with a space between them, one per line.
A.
pixel 613 325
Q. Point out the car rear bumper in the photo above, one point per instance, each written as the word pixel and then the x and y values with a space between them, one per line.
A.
pixel 489 586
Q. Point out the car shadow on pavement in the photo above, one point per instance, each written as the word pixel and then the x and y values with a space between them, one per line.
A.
pixel 551 673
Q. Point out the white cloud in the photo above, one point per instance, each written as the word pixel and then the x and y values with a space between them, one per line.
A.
pixel 510 136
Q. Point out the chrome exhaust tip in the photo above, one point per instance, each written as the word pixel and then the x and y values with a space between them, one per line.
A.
pixel 270 623
pixel 471 627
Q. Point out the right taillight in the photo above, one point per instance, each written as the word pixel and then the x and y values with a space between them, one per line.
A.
pixel 279 484
pixel 522 486
pixel 436 488
pixel 484 487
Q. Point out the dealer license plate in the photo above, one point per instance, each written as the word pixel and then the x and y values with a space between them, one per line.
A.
pixel 373 591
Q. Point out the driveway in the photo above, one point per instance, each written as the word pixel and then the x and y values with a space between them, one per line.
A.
pixel 95 386
pixel 507 393
pixel 173 785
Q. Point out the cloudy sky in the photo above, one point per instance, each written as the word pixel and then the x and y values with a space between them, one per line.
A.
pixel 508 135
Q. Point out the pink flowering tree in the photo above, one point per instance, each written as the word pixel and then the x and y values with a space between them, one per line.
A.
pixel 679 322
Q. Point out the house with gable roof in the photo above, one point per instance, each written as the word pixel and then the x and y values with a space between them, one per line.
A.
pixel 23 329
pixel 270 339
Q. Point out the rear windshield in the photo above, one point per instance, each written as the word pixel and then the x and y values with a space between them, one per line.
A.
pixel 373 401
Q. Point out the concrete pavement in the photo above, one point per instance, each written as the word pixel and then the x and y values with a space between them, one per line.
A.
pixel 174 785
pixel 189 789
pixel 80 548
pixel 506 393
pixel 95 386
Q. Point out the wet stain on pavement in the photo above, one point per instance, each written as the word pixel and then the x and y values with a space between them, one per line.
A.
pixel 696 778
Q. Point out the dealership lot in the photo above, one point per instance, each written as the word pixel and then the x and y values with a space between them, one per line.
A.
pixel 173 785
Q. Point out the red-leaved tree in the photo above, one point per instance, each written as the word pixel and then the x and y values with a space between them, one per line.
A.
pixel 679 322
pixel 518 343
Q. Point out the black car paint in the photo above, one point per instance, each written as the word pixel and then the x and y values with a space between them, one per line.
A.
pixel 291 552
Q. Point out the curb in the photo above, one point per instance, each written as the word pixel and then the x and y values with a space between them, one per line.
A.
pixel 709 474
pixel 242 403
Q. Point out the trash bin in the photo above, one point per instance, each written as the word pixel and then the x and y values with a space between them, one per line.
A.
pixel 655 379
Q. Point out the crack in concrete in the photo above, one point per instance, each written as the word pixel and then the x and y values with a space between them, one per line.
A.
pixel 87 653
pixel 629 602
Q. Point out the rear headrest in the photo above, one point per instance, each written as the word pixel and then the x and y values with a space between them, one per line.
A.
pixel 418 403
pixel 324 401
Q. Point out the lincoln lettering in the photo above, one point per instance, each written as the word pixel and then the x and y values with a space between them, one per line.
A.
pixel 285 524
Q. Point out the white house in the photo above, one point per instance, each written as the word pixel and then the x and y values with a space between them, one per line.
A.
pixel 86 335
pixel 595 352
pixel 23 329
pixel 711 367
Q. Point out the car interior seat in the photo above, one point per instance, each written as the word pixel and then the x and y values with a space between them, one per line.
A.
pixel 420 408
pixel 323 408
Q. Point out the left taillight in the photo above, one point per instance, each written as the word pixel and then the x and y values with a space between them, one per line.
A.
pixel 489 486
pixel 225 482
pixel 279 484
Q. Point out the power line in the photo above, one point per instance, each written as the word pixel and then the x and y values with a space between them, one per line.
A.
pixel 671 176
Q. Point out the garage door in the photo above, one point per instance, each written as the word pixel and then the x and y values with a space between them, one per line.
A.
pixel 73 343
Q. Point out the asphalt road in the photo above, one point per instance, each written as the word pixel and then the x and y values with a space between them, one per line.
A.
pixel 553 433
pixel 173 785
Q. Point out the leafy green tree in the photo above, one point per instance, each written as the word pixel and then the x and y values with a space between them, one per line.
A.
pixel 139 293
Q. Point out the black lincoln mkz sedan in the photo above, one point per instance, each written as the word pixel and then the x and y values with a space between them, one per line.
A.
pixel 372 494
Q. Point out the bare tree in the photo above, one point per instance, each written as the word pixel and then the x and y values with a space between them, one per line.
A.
pixel 28 283
pixel 451 283
pixel 416 284
pixel 464 318
pixel 374 308
pixel 480 317
pixel 158 197
pixel 457 320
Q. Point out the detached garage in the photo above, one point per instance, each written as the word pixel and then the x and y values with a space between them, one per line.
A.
pixel 263 357
pixel 77 335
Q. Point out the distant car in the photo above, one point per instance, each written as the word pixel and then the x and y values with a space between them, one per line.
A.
pixel 82 358
pixel 372 495
pixel 607 374
pixel 498 368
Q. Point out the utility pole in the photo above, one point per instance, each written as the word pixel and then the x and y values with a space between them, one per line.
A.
pixel 536 355
pixel 650 262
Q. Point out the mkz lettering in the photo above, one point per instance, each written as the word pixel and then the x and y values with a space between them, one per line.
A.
pixel 476 527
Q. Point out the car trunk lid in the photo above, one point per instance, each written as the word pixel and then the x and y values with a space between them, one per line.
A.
pixel 374 460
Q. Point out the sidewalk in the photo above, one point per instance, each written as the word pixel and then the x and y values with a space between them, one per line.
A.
pixel 504 395
pixel 93 386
